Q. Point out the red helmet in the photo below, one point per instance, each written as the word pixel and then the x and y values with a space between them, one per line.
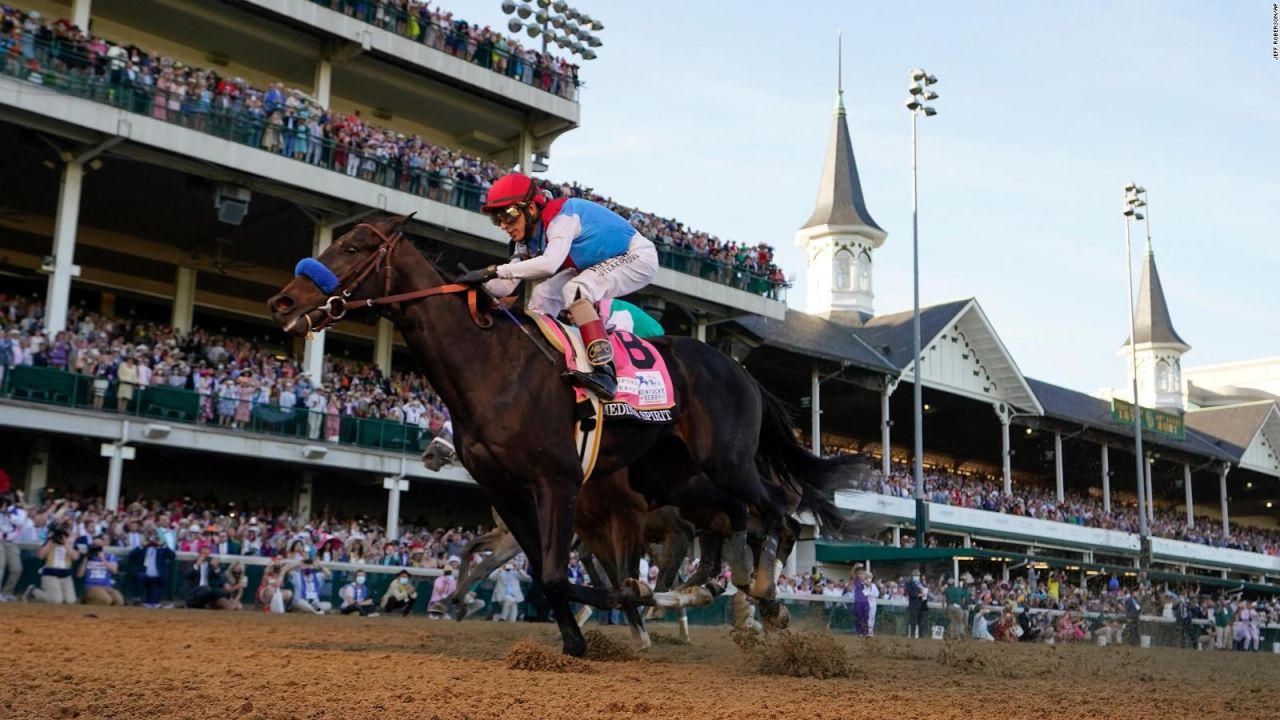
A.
pixel 511 189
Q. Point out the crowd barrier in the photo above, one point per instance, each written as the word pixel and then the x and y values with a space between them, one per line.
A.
pixel 807 611
pixel 170 404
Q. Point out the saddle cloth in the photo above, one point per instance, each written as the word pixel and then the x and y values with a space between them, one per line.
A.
pixel 645 391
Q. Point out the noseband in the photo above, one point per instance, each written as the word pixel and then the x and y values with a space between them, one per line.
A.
pixel 335 308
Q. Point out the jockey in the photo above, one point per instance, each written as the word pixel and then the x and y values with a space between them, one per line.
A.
pixel 587 254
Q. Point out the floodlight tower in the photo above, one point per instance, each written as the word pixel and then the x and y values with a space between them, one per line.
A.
pixel 551 16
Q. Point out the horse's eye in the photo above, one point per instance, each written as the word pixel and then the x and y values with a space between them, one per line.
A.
pixel 352 249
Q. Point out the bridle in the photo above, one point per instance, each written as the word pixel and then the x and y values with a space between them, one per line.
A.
pixel 335 308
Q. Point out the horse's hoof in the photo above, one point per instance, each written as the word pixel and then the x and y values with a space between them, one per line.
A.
pixel 640 591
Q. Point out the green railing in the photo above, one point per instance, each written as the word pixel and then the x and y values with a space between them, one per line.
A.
pixel 287 132
pixel 59 387
pixel 420 28
pixel 687 261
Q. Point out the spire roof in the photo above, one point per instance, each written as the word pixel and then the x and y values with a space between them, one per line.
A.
pixel 1152 322
pixel 840 200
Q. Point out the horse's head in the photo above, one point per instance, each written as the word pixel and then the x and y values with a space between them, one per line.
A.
pixel 356 266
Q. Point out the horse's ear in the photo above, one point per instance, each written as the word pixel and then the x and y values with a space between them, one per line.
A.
pixel 395 222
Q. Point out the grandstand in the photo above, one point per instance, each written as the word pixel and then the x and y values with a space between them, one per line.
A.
pixel 135 194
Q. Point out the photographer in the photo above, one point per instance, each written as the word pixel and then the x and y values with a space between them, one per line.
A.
pixel 99 569
pixel 152 563
pixel 13 518
pixel 205 583
pixel 307 582
pixel 57 552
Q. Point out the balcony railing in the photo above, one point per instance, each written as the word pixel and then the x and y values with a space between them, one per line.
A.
pixel 282 131
pixel 453 41
pixel 161 402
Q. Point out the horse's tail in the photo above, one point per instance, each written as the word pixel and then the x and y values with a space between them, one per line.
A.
pixel 815 478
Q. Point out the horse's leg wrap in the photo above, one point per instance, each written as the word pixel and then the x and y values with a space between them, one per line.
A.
pixel 740 559
pixel 583 615
pixel 742 612
pixel 762 586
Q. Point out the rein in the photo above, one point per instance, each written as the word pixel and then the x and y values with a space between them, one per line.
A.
pixel 335 308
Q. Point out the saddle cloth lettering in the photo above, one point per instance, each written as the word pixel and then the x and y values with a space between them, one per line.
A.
pixel 645 391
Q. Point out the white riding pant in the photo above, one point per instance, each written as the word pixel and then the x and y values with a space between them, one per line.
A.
pixel 600 283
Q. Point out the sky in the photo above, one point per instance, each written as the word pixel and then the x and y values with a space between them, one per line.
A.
pixel 717 115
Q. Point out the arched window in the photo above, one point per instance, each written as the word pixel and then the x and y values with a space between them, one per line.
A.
pixel 1165 377
pixel 843 279
pixel 864 271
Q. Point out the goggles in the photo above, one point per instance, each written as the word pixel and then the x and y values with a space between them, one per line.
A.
pixel 508 214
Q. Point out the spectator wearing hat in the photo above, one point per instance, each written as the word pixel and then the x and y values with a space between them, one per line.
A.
pixel 400 595
pixel 917 604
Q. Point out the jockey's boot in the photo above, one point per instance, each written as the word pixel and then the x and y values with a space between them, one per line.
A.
pixel 602 380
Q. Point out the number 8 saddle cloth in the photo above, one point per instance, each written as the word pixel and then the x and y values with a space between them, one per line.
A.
pixel 645 391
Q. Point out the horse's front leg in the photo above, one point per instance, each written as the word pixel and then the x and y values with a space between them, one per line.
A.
pixel 556 501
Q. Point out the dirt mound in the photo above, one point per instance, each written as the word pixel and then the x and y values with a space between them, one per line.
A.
pixel 602 648
pixel 528 654
pixel 748 640
pixel 660 638
pixel 802 655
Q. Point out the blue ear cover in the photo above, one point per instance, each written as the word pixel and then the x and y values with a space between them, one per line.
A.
pixel 316 272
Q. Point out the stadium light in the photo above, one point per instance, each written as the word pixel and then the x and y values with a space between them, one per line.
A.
pixel 1134 199
pixel 915 104
pixel 573 24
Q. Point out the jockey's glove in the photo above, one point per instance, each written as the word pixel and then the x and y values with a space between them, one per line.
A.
pixel 475 277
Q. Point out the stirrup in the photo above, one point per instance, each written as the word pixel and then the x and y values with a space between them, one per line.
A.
pixel 600 381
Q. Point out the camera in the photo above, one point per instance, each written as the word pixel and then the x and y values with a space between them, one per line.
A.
pixel 94 552
pixel 57 534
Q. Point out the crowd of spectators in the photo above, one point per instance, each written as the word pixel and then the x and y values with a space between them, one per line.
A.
pixel 438 28
pixel 1048 606
pixel 233 375
pixel 986 493
pixel 289 122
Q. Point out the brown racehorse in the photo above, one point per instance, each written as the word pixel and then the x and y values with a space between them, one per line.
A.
pixel 513 414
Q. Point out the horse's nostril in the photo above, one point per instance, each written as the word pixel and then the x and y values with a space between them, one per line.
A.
pixel 283 303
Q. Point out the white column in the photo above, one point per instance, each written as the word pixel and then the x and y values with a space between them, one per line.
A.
pixel 815 402
pixel 184 299
pixel 955 569
pixel 1106 479
pixel 525 150
pixel 37 470
pixel 1057 467
pixel 700 330
pixel 64 247
pixel 897 537
pixel 324 82
pixel 394 487
pixel 1151 498
pixel 1006 453
pixel 885 465
pixel 1190 499
pixel 313 356
pixel 80 14
pixel 791 563
pixel 302 497
pixel 382 346
pixel 116 454
pixel 1222 489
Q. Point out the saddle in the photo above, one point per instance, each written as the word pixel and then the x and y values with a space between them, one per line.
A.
pixel 645 393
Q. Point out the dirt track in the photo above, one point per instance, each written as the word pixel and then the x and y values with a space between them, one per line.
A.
pixel 61 662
